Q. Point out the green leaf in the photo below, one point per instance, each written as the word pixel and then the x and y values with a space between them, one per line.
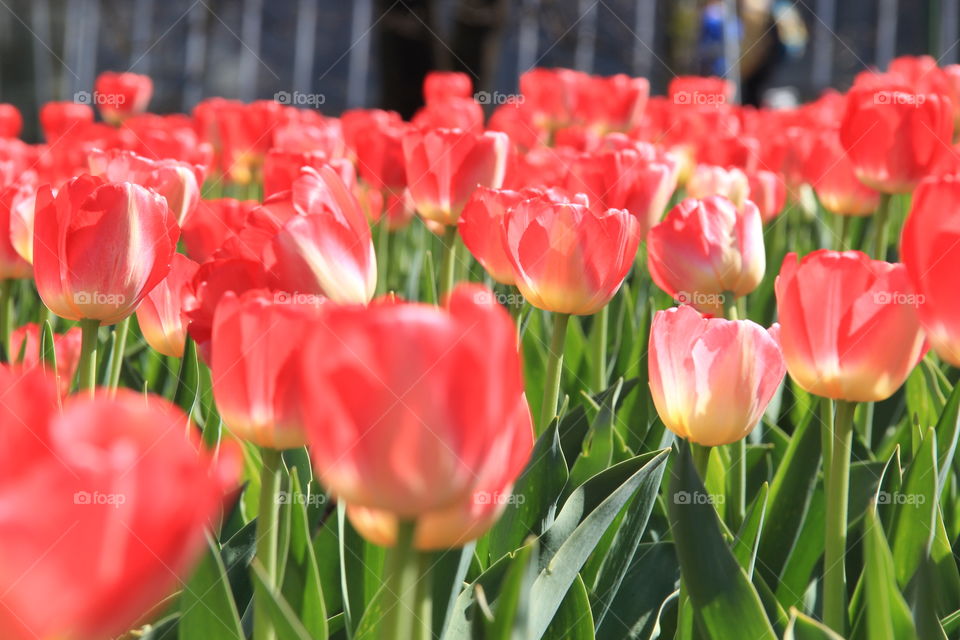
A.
pixel 511 610
pixel 301 586
pixel 650 579
pixel 207 608
pixel 948 429
pixel 187 392
pixel 573 620
pixel 719 590
pixel 540 484
pixel 581 523
pixel 914 515
pixel 285 621
pixel 887 614
pixel 447 570
pixel 748 538
pixel 802 627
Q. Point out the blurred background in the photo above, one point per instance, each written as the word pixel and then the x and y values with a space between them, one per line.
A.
pixel 336 54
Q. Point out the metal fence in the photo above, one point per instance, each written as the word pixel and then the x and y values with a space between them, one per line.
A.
pixel 247 49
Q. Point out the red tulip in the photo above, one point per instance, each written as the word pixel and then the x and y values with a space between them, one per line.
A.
pixel 706 248
pixel 326 249
pixel 12 264
pixel 769 192
pixel 66 347
pixel 169 137
pixel 11 122
pixel 126 499
pixel 212 223
pixel 445 166
pixel 711 379
pixel 708 180
pixel 894 136
pixel 59 118
pixel 120 95
pixel 697 91
pixel 379 154
pixel 281 168
pixel 452 113
pixel 830 172
pixel 21 201
pixel 549 95
pixel 848 324
pixel 567 257
pixel 255 349
pixel 417 412
pixel 441 85
pixel 930 249
pixel 100 247
pixel 161 315
pixel 178 182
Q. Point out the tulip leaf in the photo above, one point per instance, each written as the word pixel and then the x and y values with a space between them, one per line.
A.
pixel 748 538
pixel 788 500
pixel 165 629
pixel 887 614
pixel 650 579
pixel 489 584
pixel 187 392
pixel 582 522
pixel 539 485
pixel 301 577
pixel 573 620
pixel 803 627
pixel 948 430
pixel 914 515
pixel 719 590
pixel 511 610
pixel 207 608
pixel 285 622
pixel 448 569
pixel 599 450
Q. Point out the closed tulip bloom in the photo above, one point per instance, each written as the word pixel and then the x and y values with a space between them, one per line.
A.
pixel 256 341
pixel 417 412
pixel 326 249
pixel 60 118
pixel 281 168
pixel 120 95
pixel 126 500
pixel 66 347
pixel 709 181
pixel 12 264
pixel 705 248
pixel 848 324
pixel 100 247
pixel 161 315
pixel 445 166
pixel 11 122
pixel 212 224
pixel 21 201
pixel 768 191
pixel 567 257
pixel 711 379
pixel 894 136
pixel 830 172
pixel 930 249
pixel 441 85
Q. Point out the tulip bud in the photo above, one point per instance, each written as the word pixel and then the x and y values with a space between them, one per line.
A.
pixel 66 347
pixel 709 181
pixel 830 172
pixel 848 324
pixel 566 257
pixel 711 379
pixel 120 95
pixel 100 247
pixel 161 315
pixel 706 248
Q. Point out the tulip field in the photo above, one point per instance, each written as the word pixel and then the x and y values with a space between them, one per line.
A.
pixel 593 363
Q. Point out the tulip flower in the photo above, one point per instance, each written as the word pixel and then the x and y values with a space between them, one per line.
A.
pixel 20 200
pixel 60 118
pixel 66 347
pixel 707 181
pixel 100 247
pixel 256 339
pixel 162 315
pixel 326 249
pixel 441 85
pixel 930 249
pixel 849 327
pixel 464 114
pixel 711 379
pixel 13 265
pixel 769 192
pixel 126 500
pixel 401 431
pixel 120 95
pixel 11 122
pixel 281 168
pixel 893 135
pixel 830 172
pixel 212 224
pixel 706 249
pixel 849 331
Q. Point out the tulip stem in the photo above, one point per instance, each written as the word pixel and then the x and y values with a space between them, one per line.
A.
pixel 551 384
pixel 6 313
pixel 383 253
pixel 90 330
pixel 729 305
pixel 448 264
pixel 837 489
pixel 844 232
pixel 738 450
pixel 701 459
pixel 881 221
pixel 267 537
pixel 116 352
pixel 407 591
pixel 598 342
